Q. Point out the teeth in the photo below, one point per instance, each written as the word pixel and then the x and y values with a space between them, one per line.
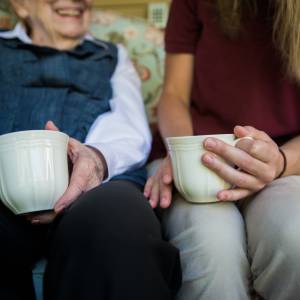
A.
pixel 69 12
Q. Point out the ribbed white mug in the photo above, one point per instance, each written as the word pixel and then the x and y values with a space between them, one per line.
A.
pixel 192 179
pixel 33 169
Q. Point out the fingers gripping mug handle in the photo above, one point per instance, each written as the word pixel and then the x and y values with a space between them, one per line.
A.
pixel 234 144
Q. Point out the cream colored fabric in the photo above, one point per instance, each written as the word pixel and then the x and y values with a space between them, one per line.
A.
pixel 273 228
pixel 212 245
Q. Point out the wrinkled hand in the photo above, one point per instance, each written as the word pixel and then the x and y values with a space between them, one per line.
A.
pixel 259 162
pixel 159 187
pixel 89 170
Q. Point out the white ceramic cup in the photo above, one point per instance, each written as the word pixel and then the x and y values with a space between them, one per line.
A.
pixel 33 169
pixel 192 179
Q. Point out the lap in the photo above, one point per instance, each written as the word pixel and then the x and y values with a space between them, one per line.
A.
pixel 120 200
pixel 212 218
pixel 207 235
pixel 280 198
pixel 116 204
pixel 19 239
pixel 113 210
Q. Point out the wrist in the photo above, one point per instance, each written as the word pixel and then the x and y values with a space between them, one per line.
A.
pixel 101 159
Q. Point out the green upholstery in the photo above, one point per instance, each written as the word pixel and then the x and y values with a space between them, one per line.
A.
pixel 145 46
pixel 6 20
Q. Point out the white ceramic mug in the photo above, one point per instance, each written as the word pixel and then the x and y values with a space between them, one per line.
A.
pixel 33 169
pixel 192 179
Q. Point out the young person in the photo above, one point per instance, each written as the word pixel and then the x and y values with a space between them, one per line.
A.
pixel 234 66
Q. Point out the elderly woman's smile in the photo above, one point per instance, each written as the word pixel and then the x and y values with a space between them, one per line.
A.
pixel 71 9
pixel 69 12
pixel 55 23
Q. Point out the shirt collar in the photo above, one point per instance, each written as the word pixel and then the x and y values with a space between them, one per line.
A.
pixel 20 33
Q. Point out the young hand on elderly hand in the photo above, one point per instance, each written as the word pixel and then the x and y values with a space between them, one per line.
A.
pixel 89 170
pixel 259 162
pixel 159 187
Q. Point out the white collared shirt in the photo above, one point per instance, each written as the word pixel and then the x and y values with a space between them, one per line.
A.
pixel 122 134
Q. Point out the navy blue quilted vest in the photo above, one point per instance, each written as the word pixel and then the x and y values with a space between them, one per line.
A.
pixel 71 88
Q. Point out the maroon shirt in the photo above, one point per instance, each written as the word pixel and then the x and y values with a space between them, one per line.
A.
pixel 236 81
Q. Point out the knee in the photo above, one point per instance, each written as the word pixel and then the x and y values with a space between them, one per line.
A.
pixel 211 240
pixel 276 260
pixel 216 255
pixel 115 211
pixel 219 227
pixel 222 246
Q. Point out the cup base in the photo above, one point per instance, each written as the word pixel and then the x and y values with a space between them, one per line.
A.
pixel 32 211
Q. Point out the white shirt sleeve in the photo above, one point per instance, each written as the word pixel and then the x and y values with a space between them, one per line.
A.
pixel 122 134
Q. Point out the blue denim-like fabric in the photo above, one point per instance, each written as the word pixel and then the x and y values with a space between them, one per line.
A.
pixel 71 88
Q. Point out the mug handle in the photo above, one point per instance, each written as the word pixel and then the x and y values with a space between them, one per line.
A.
pixel 243 138
pixel 234 144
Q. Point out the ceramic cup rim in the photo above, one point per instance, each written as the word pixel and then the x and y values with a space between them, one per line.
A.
pixel 30 135
pixel 194 140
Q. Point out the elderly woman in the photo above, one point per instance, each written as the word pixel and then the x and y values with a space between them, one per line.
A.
pixel 103 240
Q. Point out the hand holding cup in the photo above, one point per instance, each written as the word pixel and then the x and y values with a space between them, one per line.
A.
pixel 193 179
pixel 34 169
pixel 259 162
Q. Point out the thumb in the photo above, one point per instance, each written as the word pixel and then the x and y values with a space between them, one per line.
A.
pixel 51 126
pixel 70 195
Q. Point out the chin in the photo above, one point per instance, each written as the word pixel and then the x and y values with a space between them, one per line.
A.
pixel 73 33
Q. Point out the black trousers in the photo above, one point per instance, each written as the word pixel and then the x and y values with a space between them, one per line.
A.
pixel 106 246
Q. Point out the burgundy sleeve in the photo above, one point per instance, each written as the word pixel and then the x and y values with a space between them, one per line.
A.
pixel 184 27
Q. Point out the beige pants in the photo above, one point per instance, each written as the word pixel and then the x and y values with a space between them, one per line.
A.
pixel 226 250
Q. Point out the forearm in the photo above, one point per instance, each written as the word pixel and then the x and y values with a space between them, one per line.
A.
pixel 174 117
pixel 292 152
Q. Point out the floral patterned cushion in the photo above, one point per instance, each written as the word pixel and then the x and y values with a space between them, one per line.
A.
pixel 145 45
pixel 143 41
pixel 6 20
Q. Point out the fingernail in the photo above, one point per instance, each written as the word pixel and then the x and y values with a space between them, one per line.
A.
pixel 152 204
pixel 222 196
pixel 210 143
pixel 208 158
pixel 164 202
pixel 166 178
